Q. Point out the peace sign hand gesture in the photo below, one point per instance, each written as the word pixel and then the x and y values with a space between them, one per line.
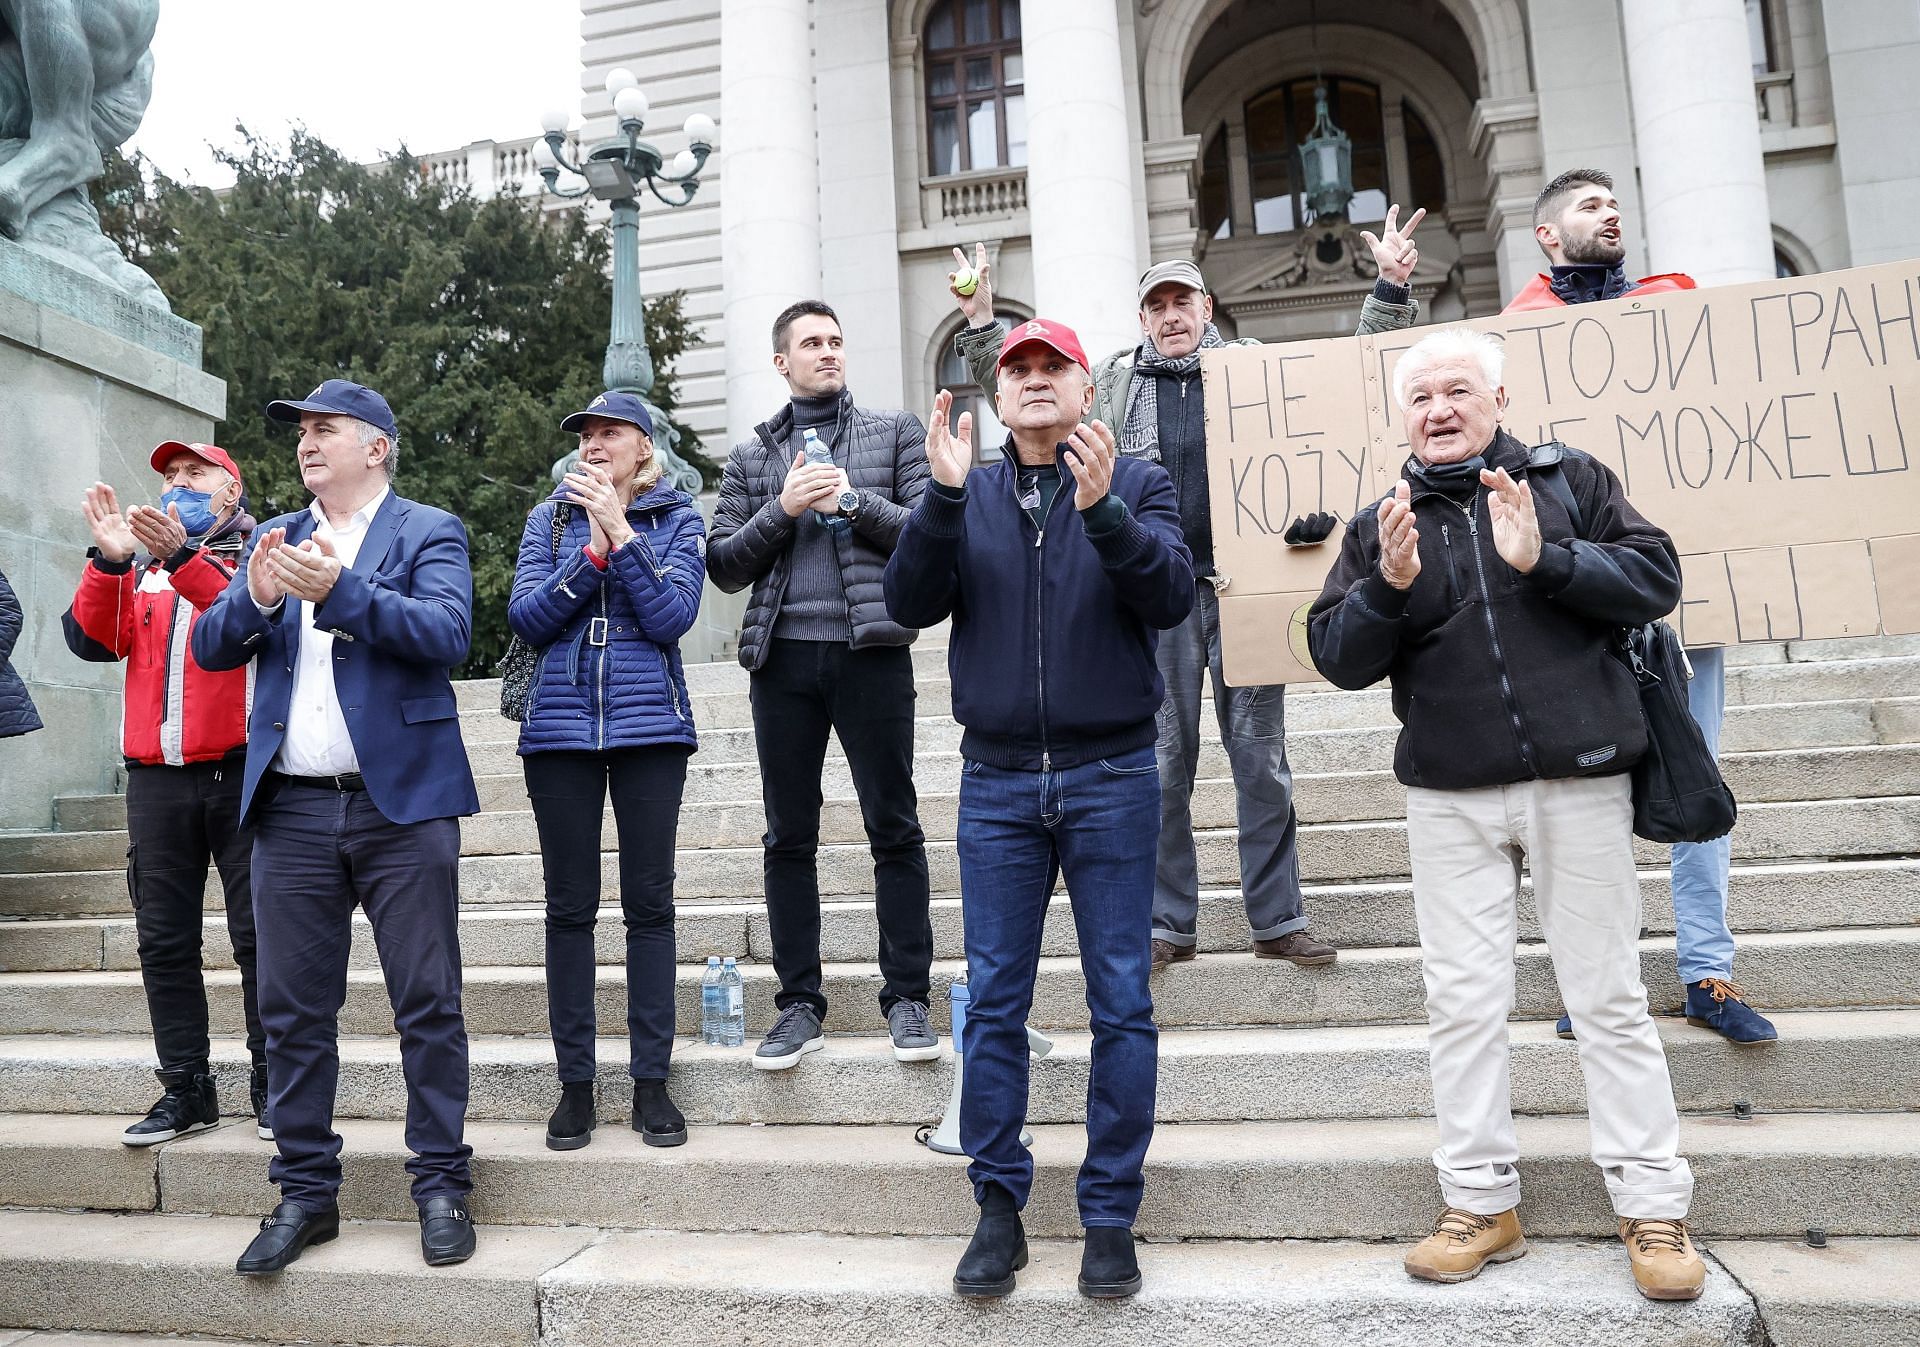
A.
pixel 1393 252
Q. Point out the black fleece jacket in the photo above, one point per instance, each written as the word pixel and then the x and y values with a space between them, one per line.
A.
pixel 1501 677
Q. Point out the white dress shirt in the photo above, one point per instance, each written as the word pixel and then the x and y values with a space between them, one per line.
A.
pixel 317 742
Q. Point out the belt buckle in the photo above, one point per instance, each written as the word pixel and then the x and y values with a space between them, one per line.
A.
pixel 597 631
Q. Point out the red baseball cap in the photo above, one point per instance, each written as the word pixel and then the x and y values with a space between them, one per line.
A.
pixel 1057 335
pixel 207 453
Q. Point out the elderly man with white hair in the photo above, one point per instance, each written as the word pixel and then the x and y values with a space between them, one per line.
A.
pixel 1472 590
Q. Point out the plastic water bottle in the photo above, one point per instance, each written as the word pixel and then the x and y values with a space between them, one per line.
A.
pixel 713 1001
pixel 733 1007
pixel 818 451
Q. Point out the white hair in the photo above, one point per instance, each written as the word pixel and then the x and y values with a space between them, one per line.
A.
pixel 1449 343
pixel 369 432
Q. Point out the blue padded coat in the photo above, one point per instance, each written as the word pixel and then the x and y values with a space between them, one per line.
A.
pixel 608 673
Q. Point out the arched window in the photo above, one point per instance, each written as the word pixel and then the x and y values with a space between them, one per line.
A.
pixel 1783 265
pixel 1216 189
pixel 953 376
pixel 976 99
pixel 1278 120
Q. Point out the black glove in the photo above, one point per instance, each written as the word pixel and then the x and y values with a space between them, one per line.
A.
pixel 1309 530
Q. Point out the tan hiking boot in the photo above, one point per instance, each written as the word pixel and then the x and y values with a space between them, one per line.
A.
pixel 1298 948
pixel 1463 1243
pixel 1665 1267
pixel 1166 952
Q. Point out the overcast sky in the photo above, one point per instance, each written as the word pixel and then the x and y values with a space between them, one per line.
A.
pixel 363 75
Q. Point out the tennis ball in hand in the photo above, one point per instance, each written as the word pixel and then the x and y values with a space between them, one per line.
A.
pixel 965 282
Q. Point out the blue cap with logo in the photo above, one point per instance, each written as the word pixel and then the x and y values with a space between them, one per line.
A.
pixel 340 397
pixel 615 407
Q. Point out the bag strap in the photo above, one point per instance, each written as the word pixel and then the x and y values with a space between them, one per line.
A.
pixel 1543 466
pixel 562 516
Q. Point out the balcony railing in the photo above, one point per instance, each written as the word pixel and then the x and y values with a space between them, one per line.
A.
pixel 487 167
pixel 1773 95
pixel 986 194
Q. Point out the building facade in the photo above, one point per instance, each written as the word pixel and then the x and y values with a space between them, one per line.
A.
pixel 1082 140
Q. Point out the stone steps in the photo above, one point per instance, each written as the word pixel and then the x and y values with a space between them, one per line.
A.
pixel 1771 1175
pixel 1855 1061
pixel 585 1287
pixel 1788 830
pixel 1797 970
pixel 1761 898
pixel 1340 797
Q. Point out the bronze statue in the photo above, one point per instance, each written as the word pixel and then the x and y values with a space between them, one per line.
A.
pixel 75 80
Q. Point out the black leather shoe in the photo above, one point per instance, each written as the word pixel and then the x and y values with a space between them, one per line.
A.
pixel 572 1123
pixel 1108 1269
pixel 655 1116
pixel 998 1250
pixel 446 1231
pixel 283 1235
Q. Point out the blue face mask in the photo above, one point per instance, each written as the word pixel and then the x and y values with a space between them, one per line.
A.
pixel 196 509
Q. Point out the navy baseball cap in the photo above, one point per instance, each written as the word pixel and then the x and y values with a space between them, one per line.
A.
pixel 340 397
pixel 615 407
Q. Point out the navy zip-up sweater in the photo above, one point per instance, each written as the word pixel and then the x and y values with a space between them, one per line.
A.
pixel 1052 644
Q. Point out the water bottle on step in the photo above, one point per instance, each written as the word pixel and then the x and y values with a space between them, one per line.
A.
pixel 733 1016
pixel 713 1001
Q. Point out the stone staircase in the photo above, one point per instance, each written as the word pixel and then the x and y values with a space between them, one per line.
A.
pixel 1290 1166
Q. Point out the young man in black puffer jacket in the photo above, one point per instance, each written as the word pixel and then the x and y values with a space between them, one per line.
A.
pixel 813 539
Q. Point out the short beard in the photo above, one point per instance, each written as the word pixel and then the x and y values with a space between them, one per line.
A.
pixel 1593 250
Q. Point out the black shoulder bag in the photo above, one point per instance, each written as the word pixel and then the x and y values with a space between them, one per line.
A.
pixel 1678 792
pixel 517 666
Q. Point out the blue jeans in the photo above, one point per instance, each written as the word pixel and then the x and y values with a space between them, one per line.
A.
pixel 1702 940
pixel 1097 823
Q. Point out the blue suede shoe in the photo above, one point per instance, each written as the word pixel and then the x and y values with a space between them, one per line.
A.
pixel 1564 1026
pixel 1717 1005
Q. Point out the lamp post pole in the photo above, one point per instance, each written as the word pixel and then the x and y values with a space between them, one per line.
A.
pixel 615 171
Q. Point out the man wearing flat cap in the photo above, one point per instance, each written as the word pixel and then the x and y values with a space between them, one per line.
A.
pixel 1150 394
pixel 354 611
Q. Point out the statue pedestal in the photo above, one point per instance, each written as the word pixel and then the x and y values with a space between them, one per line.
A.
pixel 89 383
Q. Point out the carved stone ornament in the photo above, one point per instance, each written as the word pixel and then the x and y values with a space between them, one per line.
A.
pixel 75 80
pixel 1330 252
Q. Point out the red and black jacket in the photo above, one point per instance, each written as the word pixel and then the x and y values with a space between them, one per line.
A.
pixel 176 712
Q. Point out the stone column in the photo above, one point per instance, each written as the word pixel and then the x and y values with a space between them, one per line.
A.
pixel 859 224
pixel 769 193
pixel 1703 181
pixel 1080 172
pixel 1586 120
pixel 1506 138
pixel 1872 50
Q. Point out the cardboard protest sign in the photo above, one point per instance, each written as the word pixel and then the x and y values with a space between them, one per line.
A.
pixel 1764 426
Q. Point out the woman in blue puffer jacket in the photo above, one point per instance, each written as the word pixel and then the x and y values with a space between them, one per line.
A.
pixel 608 713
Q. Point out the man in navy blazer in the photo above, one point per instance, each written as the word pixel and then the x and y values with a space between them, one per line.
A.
pixel 354 611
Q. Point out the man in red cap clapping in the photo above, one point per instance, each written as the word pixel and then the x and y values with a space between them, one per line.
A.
pixel 1059 566
pixel 185 738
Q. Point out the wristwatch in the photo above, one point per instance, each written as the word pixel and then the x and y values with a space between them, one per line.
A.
pixel 849 503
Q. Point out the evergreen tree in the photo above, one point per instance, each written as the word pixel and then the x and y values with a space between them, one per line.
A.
pixel 483 323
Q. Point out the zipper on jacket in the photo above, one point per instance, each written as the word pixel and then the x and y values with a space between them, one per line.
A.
pixel 1493 635
pixel 600 695
pixel 1039 611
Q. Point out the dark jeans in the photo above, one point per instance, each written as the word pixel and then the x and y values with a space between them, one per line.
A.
pixel 805 689
pixel 1019 831
pixel 179 818
pixel 317 854
pixel 569 792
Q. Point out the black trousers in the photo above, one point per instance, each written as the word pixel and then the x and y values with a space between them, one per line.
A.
pixel 179 818
pixel 804 690
pixel 318 853
pixel 569 793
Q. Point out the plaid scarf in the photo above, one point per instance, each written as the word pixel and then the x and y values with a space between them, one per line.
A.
pixel 1140 432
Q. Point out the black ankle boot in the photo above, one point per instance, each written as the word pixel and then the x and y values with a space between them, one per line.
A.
pixel 188 1104
pixel 571 1125
pixel 257 1096
pixel 1108 1269
pixel 998 1250
pixel 655 1118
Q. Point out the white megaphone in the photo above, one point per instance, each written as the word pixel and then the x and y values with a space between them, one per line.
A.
pixel 946 1137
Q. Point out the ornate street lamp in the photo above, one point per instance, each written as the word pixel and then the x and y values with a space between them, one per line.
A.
pixel 1326 162
pixel 615 170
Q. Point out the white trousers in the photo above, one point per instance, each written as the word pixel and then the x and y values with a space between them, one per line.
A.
pixel 1576 837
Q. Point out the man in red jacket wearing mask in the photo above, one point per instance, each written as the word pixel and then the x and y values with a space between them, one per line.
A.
pixel 151 573
pixel 1578 225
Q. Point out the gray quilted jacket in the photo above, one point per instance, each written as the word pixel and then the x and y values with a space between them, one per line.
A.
pixel 750 543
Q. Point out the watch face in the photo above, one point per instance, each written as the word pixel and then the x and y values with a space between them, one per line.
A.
pixel 848 500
